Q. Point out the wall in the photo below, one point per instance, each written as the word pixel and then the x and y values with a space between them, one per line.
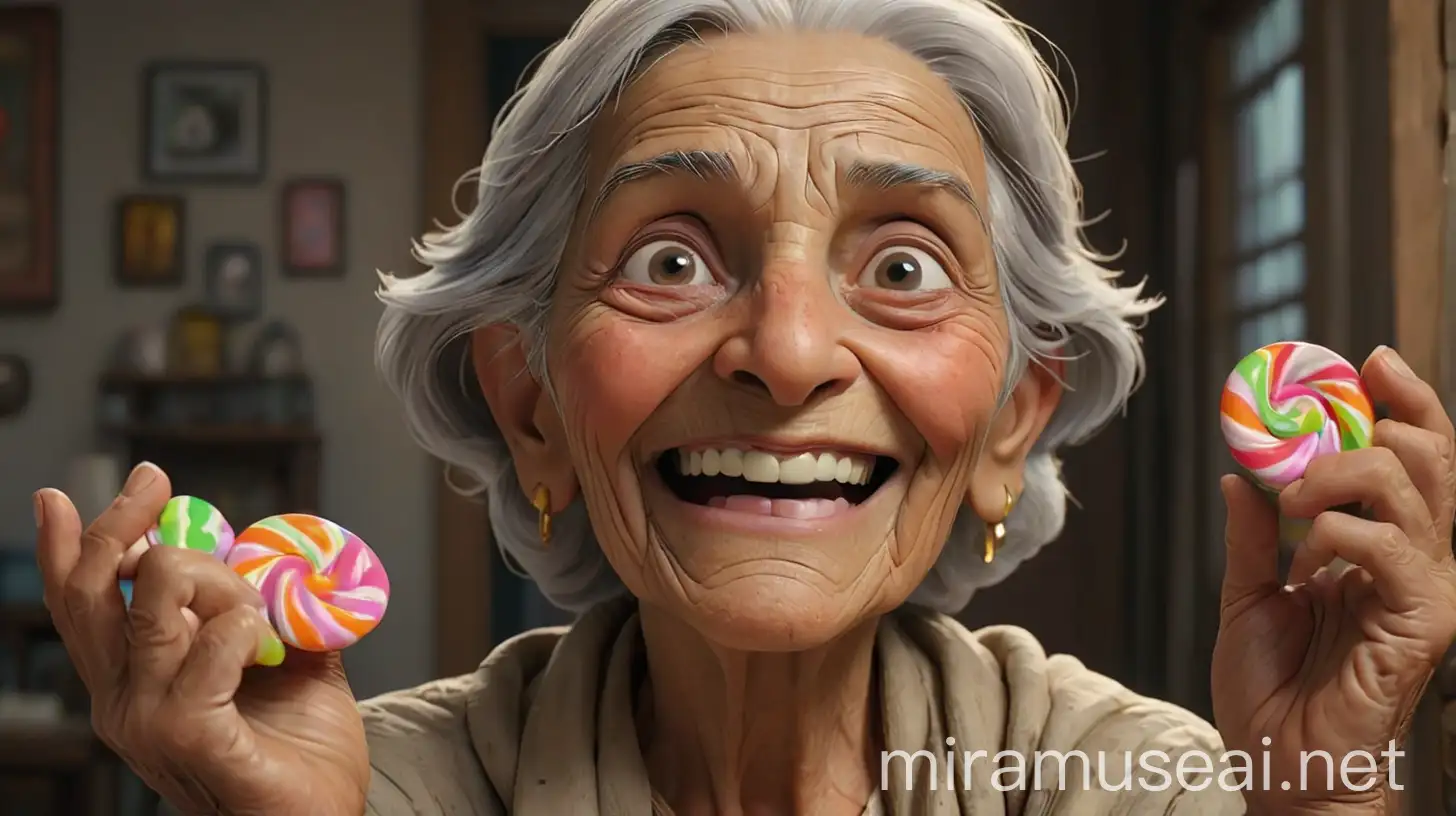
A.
pixel 343 100
pixel 1079 594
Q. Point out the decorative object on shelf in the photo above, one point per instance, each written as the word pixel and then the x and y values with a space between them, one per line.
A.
pixel 205 122
pixel 29 38
pixel 149 240
pixel 142 351
pixel 277 352
pixel 197 342
pixel 14 385
pixel 313 228
pixel 234 272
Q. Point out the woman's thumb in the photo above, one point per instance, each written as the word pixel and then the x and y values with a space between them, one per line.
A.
pixel 1251 541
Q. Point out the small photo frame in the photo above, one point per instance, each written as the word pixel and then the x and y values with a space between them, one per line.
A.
pixel 149 240
pixel 205 122
pixel 313 228
pixel 234 279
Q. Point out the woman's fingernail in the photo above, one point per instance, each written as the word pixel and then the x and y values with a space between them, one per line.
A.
pixel 39 501
pixel 270 649
pixel 141 476
pixel 1396 363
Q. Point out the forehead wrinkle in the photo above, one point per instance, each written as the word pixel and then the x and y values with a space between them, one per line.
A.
pixel 837 108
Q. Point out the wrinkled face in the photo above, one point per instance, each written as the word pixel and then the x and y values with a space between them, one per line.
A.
pixel 778 340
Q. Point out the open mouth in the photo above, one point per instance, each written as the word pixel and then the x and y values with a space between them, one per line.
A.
pixel 800 485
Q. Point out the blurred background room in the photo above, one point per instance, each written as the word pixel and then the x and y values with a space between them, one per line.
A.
pixel 195 198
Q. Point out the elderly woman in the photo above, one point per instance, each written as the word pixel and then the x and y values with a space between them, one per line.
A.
pixel 762 337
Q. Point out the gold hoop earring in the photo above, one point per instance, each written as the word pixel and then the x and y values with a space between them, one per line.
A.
pixel 542 502
pixel 996 533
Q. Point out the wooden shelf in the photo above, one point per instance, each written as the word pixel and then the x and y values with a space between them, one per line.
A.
pixel 219 434
pixel 69 743
pixel 121 379
pixel 24 616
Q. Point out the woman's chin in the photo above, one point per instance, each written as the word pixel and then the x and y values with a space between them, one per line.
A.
pixel 771 613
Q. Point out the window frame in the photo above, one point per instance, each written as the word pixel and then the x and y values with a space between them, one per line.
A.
pixel 1347 291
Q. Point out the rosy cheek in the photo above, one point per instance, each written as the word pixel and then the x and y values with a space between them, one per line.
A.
pixel 944 379
pixel 613 372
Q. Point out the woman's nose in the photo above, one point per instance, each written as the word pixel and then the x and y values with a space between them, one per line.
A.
pixel 791 349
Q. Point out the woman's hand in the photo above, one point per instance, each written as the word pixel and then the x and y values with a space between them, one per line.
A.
pixel 1337 661
pixel 172 688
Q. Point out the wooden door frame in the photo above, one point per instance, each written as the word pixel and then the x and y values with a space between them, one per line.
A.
pixel 1421 274
pixel 455 131
pixel 454 134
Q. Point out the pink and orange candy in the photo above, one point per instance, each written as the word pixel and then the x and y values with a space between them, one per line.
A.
pixel 1289 403
pixel 324 588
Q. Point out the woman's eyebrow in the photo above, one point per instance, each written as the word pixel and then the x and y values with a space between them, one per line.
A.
pixel 703 164
pixel 888 175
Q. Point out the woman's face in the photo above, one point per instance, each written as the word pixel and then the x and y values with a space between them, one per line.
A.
pixel 777 338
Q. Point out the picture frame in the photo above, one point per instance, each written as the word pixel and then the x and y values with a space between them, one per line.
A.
pixel 205 122
pixel 313 211
pixel 29 60
pixel 234 279
pixel 150 241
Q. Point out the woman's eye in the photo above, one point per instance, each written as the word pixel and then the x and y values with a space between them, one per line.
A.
pixel 667 263
pixel 905 269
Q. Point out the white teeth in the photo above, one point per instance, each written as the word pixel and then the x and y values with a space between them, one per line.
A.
pixel 764 467
pixel 732 462
pixel 801 469
pixel 825 467
pixel 760 467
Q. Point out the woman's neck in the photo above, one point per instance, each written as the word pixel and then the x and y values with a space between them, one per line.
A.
pixel 731 733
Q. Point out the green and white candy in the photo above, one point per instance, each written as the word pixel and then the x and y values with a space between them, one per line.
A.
pixel 193 524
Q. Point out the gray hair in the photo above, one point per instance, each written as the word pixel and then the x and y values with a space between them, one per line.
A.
pixel 499 264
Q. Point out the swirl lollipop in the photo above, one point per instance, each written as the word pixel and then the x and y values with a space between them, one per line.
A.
pixel 323 587
pixel 189 523
pixel 1289 403
pixel 192 524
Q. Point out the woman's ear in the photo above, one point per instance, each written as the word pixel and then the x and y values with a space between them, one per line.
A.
pixel 523 411
pixel 1013 433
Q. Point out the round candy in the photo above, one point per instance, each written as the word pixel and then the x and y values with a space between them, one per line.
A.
pixel 193 524
pixel 1289 403
pixel 323 587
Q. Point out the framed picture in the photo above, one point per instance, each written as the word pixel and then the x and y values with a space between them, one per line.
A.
pixel 313 228
pixel 28 139
pixel 149 240
pixel 234 272
pixel 205 122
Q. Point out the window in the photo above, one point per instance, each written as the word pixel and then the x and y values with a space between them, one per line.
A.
pixel 1266 100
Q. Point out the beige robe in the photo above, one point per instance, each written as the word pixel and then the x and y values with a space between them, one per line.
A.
pixel 545 726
